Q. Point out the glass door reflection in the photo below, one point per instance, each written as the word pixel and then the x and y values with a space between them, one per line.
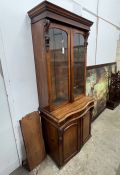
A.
pixel 59 65
pixel 79 64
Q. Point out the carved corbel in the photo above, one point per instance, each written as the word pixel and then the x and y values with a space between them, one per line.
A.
pixel 60 133
pixel 86 39
pixel 46 33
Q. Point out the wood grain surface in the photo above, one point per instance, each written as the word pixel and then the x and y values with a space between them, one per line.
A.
pixel 33 139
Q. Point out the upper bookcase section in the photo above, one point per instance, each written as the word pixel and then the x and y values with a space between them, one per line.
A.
pixel 57 14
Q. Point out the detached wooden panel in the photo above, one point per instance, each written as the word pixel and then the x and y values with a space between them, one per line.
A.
pixel 33 139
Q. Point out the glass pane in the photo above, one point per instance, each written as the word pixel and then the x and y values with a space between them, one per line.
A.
pixel 59 65
pixel 79 64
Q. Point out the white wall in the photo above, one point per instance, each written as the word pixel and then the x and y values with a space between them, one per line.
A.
pixel 107 42
pixel 16 50
pixel 91 50
pixel 8 152
pixel 90 5
pixel 110 11
pixel 108 33
pixel 17 59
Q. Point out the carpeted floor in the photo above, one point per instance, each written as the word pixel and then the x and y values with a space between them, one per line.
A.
pixel 99 156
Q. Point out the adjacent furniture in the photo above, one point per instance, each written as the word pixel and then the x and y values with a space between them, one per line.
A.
pixel 113 90
pixel 60 47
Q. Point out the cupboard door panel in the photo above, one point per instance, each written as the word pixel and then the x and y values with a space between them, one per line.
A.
pixel 86 127
pixel 70 141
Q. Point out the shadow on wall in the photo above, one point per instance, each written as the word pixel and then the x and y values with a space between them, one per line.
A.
pixel 22 147
pixel 97 85
pixel 1 72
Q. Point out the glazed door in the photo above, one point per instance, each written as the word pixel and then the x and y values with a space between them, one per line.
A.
pixel 58 59
pixel 78 62
pixel 66 61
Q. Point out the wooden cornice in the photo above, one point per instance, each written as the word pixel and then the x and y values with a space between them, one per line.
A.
pixel 47 9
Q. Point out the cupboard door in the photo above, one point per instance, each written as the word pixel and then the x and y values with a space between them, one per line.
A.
pixel 86 127
pixel 59 65
pixel 70 141
pixel 78 61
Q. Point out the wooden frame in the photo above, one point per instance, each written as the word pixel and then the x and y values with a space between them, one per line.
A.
pixel 100 65
pixel 61 27
pixel 73 31
pixel 70 33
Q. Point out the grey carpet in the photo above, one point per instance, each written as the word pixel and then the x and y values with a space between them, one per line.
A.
pixel 99 156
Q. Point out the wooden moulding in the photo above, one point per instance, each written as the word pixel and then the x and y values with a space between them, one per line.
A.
pixel 100 65
pixel 48 10
pixel 64 113
pixel 33 140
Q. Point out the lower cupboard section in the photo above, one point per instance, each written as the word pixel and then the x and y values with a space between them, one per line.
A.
pixel 63 142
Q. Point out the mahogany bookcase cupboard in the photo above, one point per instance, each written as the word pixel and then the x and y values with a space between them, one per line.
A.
pixel 60 46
